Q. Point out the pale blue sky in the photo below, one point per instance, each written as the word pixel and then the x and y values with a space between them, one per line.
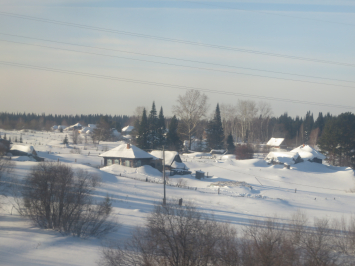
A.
pixel 296 28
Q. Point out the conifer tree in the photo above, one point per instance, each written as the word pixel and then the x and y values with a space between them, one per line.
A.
pixel 16 139
pixel 173 141
pixel 65 140
pixel 143 132
pixel 215 134
pixel 10 139
pixel 161 129
pixel 5 137
pixel 153 126
pixel 230 144
pixel 319 123
pixel 21 139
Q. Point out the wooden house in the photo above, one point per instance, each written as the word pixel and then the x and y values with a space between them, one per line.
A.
pixel 172 159
pixel 127 155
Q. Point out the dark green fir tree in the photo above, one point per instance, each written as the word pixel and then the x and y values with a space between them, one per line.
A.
pixel 65 140
pixel 161 129
pixel 215 134
pixel 143 132
pixel 230 144
pixel 153 127
pixel 172 138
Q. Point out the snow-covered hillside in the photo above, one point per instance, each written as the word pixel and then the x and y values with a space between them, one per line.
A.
pixel 235 192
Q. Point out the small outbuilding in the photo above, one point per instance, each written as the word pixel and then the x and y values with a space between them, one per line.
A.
pixel 127 155
pixel 172 159
pixel 277 143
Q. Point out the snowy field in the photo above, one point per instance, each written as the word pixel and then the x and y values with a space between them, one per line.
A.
pixel 235 192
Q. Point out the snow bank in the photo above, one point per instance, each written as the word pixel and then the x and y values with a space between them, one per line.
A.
pixel 197 154
pixel 282 157
pixel 145 170
pixel 149 171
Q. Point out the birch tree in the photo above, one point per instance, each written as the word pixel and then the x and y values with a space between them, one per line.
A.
pixel 190 109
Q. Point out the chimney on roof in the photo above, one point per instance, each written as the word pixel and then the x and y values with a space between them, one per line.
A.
pixel 128 146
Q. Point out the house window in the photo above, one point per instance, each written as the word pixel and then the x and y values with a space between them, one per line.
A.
pixel 138 163
pixel 127 163
pixel 109 162
pixel 117 161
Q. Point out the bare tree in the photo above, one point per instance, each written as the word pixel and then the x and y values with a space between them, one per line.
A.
pixel 190 109
pixel 56 197
pixel 265 112
pixel 246 111
pixel 175 236
pixel 74 136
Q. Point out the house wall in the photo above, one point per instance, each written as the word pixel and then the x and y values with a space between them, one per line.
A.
pixel 129 162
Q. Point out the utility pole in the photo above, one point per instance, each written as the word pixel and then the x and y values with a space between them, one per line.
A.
pixel 164 199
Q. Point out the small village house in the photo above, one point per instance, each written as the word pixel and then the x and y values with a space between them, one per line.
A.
pixel 127 155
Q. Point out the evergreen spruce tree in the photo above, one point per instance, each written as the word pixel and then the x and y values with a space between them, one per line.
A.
pixel 143 132
pixel 153 127
pixel 308 126
pixel 161 129
pixel 21 139
pixel 319 123
pixel 65 140
pixel 5 137
pixel 230 144
pixel 215 134
pixel 10 139
pixel 16 139
pixel 173 141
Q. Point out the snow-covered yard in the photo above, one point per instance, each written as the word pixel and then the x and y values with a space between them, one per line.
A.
pixel 235 192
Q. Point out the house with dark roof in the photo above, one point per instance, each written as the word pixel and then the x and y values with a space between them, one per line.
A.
pixel 127 155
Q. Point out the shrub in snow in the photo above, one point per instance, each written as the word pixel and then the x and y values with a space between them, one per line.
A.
pixel 175 235
pixel 56 197
pixel 243 152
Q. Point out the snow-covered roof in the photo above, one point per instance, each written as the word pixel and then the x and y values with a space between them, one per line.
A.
pixel 308 153
pixel 127 129
pixel 123 151
pixel 116 133
pixel 282 157
pixel 77 125
pixel 177 165
pixel 169 156
pixel 92 125
pixel 24 148
pixel 275 142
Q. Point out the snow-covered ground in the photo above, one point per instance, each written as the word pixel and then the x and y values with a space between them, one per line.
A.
pixel 235 192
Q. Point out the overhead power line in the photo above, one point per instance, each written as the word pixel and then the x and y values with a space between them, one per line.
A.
pixel 173 86
pixel 170 64
pixel 172 58
pixel 153 37
pixel 266 12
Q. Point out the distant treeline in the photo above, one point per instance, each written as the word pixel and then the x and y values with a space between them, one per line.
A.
pixel 258 129
pixel 45 122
